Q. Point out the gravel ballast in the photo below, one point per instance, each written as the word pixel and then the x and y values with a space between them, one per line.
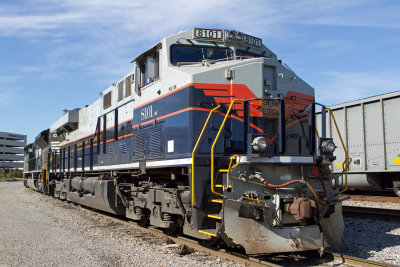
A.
pixel 37 230
pixel 375 240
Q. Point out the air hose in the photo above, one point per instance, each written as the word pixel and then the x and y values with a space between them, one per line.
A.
pixel 322 202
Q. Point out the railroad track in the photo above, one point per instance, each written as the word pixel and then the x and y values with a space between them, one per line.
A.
pixel 373 198
pixel 290 259
pixel 355 261
pixel 309 258
pixel 371 213
pixel 382 192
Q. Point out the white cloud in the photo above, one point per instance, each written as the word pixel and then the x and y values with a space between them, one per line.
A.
pixel 339 87
pixel 156 18
pixel 8 78
pixel 7 98
pixel 101 36
pixel 367 13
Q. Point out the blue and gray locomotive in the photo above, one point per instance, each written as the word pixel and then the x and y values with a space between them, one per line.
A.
pixel 210 136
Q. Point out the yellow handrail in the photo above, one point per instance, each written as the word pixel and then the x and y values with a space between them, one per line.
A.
pixel 215 141
pixel 230 163
pixel 316 130
pixel 195 148
pixel 347 160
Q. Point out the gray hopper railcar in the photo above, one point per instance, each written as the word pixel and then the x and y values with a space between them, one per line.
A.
pixel 370 130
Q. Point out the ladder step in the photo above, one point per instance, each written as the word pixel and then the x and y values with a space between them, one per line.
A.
pixel 207 233
pixel 220 185
pixel 216 201
pixel 248 198
pixel 214 217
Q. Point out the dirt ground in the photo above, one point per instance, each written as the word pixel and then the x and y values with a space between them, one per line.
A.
pixel 38 230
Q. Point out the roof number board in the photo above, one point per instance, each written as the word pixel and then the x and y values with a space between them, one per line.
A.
pixel 242 38
pixel 208 34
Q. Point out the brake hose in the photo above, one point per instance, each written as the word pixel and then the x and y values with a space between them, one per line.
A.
pixel 323 202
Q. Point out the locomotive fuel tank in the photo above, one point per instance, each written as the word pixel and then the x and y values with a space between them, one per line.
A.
pixel 95 193
pixel 76 183
pixel 87 185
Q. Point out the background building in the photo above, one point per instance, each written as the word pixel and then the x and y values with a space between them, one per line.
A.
pixel 12 150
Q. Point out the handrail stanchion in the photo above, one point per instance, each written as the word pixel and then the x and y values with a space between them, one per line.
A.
pixel 196 145
pixel 347 160
pixel 215 142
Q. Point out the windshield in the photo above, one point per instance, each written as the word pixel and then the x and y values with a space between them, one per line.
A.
pixel 189 53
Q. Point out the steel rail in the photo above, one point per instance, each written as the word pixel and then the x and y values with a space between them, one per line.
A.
pixel 354 261
pixel 378 192
pixel 371 213
pixel 382 198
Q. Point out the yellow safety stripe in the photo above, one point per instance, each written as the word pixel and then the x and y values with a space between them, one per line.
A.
pixel 207 233
pixel 214 217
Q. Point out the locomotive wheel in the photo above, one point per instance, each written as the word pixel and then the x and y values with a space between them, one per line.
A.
pixel 145 221
pixel 175 228
pixel 396 188
pixel 211 242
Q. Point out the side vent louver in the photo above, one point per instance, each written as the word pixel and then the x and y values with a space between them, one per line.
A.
pixel 155 145
pixel 123 148
pixel 140 148
pixel 149 143
pixel 107 100
pixel 110 150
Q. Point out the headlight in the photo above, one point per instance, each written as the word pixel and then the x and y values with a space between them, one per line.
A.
pixel 328 146
pixel 260 144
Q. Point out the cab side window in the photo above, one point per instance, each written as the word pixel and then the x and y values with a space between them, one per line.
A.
pixel 149 69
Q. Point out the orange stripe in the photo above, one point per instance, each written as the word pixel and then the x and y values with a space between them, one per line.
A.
pixel 122 137
pixel 163 117
pixel 196 85
pixel 211 86
pixel 198 109
pixel 167 94
pixel 93 133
